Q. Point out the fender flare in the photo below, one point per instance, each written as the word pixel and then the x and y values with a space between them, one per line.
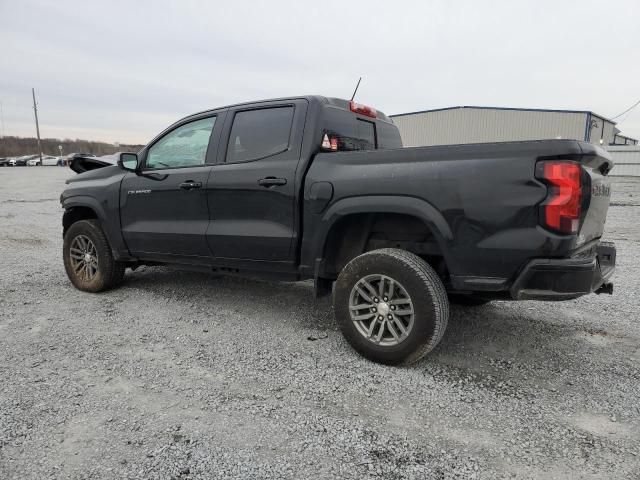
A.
pixel 400 204
pixel 118 247
pixel 85 201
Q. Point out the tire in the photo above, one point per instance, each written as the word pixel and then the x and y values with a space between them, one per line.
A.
pixel 97 272
pixel 467 300
pixel 413 280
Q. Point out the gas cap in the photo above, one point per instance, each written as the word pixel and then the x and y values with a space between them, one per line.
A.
pixel 319 196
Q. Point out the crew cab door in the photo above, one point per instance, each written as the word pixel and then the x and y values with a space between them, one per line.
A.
pixel 163 209
pixel 252 188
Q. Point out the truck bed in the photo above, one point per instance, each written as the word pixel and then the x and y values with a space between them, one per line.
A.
pixel 482 201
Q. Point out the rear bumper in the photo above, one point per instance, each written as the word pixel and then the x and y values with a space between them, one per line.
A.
pixel 566 278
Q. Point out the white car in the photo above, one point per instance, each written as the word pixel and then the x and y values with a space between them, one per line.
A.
pixel 47 161
pixel 20 161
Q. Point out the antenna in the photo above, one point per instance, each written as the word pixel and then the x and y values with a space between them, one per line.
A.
pixel 354 92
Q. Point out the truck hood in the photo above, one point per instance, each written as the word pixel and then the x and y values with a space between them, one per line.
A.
pixel 97 173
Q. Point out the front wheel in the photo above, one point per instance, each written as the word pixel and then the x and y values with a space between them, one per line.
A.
pixel 88 260
pixel 391 306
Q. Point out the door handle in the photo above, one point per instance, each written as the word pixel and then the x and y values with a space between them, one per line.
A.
pixel 272 182
pixel 190 185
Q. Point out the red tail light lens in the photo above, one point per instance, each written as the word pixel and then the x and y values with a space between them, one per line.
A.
pixel 363 109
pixel 561 210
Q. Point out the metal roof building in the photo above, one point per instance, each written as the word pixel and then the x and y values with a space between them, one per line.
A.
pixel 470 124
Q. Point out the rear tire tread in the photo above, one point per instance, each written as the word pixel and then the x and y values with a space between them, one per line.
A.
pixel 437 291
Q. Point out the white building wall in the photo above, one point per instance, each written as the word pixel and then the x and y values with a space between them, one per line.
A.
pixel 479 125
pixel 626 159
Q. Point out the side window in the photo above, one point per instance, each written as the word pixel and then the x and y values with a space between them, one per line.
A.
pixel 186 146
pixel 259 133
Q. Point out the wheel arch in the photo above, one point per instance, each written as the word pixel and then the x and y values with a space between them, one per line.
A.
pixel 83 207
pixel 106 211
pixel 80 208
pixel 345 218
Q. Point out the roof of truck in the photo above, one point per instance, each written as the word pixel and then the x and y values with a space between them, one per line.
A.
pixel 332 101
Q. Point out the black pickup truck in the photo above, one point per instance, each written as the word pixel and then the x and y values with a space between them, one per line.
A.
pixel 321 188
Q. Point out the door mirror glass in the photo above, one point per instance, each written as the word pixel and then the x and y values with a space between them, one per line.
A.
pixel 128 161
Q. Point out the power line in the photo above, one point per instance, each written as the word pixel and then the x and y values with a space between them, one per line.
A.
pixel 627 110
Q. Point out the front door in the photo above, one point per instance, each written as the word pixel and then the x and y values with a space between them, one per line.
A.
pixel 252 189
pixel 163 209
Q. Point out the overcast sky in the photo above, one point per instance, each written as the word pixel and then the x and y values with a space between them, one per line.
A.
pixel 121 71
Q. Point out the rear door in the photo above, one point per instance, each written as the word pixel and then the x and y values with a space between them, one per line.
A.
pixel 252 190
pixel 163 210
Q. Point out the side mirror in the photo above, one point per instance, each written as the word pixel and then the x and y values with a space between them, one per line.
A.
pixel 128 161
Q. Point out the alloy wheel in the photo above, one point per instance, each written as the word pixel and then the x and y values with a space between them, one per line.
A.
pixel 84 258
pixel 381 310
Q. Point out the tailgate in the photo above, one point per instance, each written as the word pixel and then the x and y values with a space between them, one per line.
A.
pixel 596 163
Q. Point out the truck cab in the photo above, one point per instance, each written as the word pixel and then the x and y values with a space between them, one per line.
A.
pixel 224 185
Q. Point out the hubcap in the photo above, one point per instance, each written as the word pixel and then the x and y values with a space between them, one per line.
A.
pixel 384 308
pixel 381 310
pixel 84 258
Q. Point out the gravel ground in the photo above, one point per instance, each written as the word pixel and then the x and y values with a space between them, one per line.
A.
pixel 184 375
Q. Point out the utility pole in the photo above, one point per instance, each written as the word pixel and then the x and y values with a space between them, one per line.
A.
pixel 35 111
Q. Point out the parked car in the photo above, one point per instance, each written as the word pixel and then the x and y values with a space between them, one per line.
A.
pixel 20 161
pixel 47 161
pixel 3 161
pixel 320 188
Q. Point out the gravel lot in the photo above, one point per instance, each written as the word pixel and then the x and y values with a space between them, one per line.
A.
pixel 184 375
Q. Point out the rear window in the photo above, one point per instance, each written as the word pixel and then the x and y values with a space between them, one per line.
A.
pixel 356 134
pixel 348 131
pixel 366 133
pixel 259 133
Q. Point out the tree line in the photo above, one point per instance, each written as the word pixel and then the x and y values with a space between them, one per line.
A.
pixel 17 146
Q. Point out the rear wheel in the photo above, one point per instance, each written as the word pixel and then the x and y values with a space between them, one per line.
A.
pixel 88 260
pixel 391 306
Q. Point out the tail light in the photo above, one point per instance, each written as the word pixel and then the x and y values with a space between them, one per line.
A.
pixel 562 207
pixel 363 109
pixel 329 143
